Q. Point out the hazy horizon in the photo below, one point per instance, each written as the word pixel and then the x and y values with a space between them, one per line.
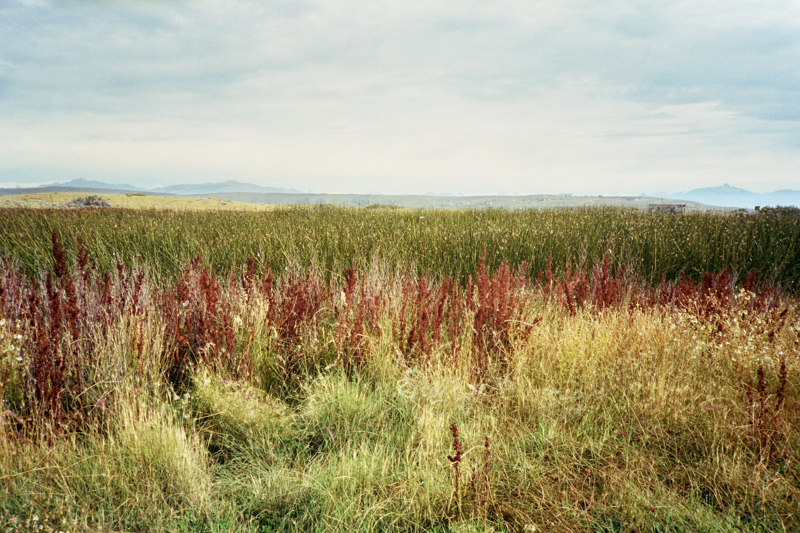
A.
pixel 378 192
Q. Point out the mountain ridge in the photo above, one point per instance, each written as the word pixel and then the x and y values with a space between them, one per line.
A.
pixel 229 186
pixel 725 195
pixel 187 189
pixel 80 183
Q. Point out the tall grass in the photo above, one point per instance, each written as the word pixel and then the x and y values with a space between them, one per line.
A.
pixel 437 243
pixel 247 396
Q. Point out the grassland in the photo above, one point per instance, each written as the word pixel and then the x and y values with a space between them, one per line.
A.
pixel 341 370
pixel 50 200
pixel 435 243
pixel 59 196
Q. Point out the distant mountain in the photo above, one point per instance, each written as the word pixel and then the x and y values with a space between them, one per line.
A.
pixel 182 189
pixel 91 184
pixel 729 196
pixel 230 186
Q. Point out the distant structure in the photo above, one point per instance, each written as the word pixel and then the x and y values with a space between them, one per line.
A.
pixel 673 209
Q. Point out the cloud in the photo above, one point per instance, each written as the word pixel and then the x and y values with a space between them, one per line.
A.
pixel 350 96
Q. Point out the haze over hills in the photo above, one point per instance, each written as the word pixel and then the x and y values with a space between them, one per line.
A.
pixel 729 196
pixel 204 189
pixel 93 184
pixel 725 196
pixel 229 186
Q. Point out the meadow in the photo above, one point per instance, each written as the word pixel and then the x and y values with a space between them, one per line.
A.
pixel 131 200
pixel 331 369
pixel 437 244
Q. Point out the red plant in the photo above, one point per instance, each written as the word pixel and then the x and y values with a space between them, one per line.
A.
pixel 58 353
pixel 424 311
pixel 478 488
pixel 607 291
pixel 454 329
pixel 200 328
pixel 294 301
pixel 248 278
pixel 497 303
pixel 46 362
pixel 60 268
pixel 764 408
pixel 480 484
pixel 455 461
pixel 357 318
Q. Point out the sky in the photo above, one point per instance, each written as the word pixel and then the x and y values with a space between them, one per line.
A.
pixel 403 96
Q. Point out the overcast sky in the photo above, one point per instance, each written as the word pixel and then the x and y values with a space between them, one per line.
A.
pixel 403 96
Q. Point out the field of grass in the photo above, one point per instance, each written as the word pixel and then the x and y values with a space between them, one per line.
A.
pixel 49 200
pixel 437 243
pixel 357 370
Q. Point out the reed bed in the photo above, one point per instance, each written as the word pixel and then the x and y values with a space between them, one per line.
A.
pixel 437 244
pixel 370 388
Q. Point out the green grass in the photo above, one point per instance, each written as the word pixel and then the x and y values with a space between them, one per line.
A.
pixel 193 403
pixel 437 243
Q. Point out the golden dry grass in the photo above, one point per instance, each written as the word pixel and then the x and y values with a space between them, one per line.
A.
pixel 129 201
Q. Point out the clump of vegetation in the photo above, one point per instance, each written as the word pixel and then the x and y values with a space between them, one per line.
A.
pixel 88 201
pixel 382 395
pixel 384 206
pixel 781 210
